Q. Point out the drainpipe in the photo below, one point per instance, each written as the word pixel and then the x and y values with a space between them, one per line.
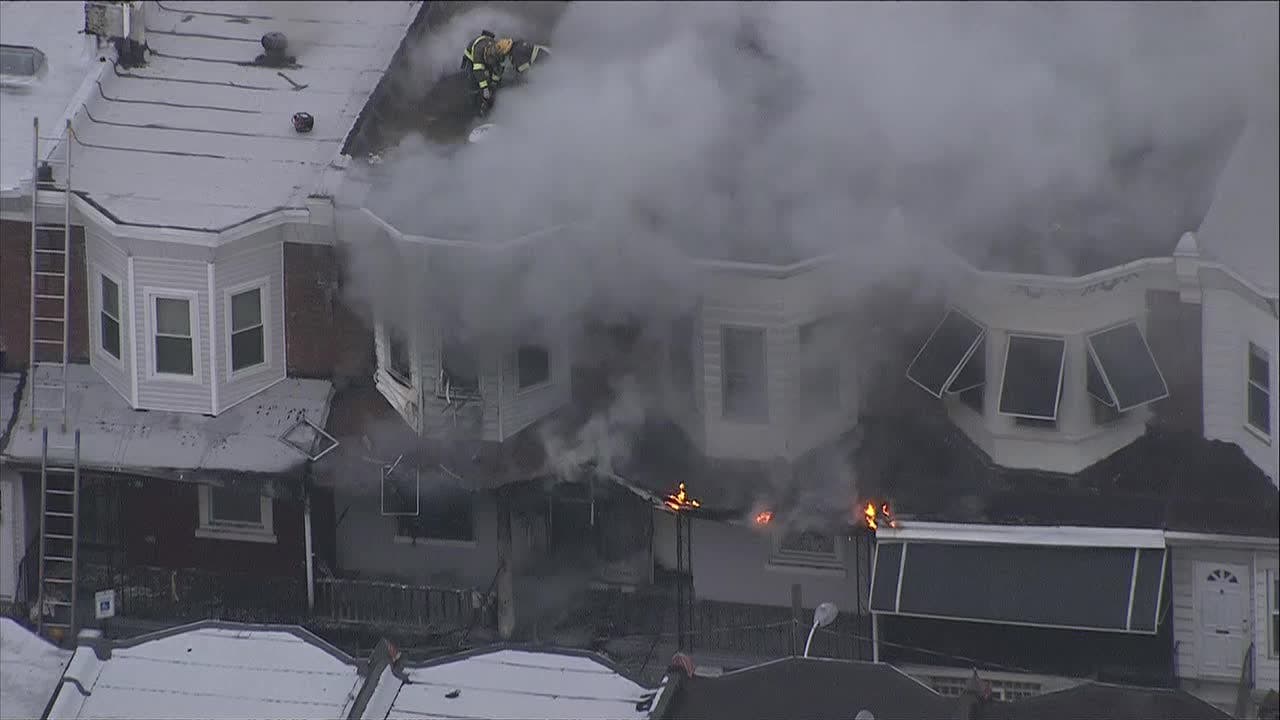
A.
pixel 306 536
pixel 875 637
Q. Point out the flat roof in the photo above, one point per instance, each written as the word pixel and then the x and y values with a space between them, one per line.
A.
pixel 117 438
pixel 53 28
pixel 209 670
pixel 201 138
pixel 29 669
pixel 509 683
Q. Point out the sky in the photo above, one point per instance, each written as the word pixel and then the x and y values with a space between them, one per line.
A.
pixel 786 130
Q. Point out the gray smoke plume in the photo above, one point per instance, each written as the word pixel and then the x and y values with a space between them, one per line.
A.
pixel 775 131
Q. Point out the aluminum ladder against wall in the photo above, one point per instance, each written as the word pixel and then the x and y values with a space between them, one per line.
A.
pixel 50 280
pixel 59 540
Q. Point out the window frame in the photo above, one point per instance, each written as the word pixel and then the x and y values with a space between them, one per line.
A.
pixel 388 363
pixel 1252 349
pixel 520 386
pixel 192 299
pixel 1033 421
pixel 209 528
pixel 736 417
pixel 781 558
pixel 99 347
pixel 264 304
pixel 810 371
pixel 400 519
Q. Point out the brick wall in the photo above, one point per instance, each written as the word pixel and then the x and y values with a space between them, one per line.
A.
pixel 323 336
pixel 15 296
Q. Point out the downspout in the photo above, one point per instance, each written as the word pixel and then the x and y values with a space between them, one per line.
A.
pixel 306 536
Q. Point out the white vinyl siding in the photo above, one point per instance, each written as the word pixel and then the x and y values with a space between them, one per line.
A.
pixel 182 280
pixel 1230 325
pixel 260 269
pixel 105 260
pixel 1262 567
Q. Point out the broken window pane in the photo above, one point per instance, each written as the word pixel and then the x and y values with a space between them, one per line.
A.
pixel 400 367
pixel 819 381
pixel 445 514
pixel 1127 364
pixel 1032 386
pixel 533 366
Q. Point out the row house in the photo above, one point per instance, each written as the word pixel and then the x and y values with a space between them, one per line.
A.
pixel 1073 436
pixel 170 297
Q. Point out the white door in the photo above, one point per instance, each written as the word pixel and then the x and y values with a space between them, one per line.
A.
pixel 1224 618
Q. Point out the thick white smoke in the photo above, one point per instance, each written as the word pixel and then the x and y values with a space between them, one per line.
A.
pixel 775 131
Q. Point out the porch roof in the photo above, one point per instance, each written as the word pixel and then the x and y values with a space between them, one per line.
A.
pixel 506 681
pixel 114 437
pixel 209 669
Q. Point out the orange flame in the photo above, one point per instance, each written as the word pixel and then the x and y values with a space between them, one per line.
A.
pixel 680 500
pixel 869 512
pixel 874 516
pixel 764 517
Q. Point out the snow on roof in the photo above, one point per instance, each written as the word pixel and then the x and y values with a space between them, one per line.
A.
pixel 53 29
pixel 210 670
pixel 29 670
pixel 113 436
pixel 201 138
pixel 509 683
pixel 1242 227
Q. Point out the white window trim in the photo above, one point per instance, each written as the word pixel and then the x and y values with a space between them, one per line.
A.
pixel 384 357
pixel 767 416
pixel 264 533
pixel 1257 432
pixel 814 563
pixel 551 376
pixel 1062 371
pixel 193 310
pixel 262 285
pixel 124 310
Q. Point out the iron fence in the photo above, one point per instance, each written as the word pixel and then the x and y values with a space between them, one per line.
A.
pixel 380 603
pixel 188 594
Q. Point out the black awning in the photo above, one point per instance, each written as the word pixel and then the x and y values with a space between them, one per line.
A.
pixel 948 347
pixel 1032 384
pixel 1083 588
pixel 1127 374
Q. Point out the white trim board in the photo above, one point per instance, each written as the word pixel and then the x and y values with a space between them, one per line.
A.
pixel 150 294
pixel 1061 535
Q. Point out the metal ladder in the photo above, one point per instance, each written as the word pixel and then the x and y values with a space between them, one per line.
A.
pixel 59 540
pixel 50 280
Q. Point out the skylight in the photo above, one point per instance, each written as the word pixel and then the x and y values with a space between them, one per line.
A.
pixel 1122 373
pixel 1032 384
pixel 20 61
pixel 938 363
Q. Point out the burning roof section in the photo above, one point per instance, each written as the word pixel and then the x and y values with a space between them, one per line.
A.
pixel 201 136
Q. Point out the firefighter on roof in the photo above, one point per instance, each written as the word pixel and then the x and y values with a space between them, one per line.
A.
pixel 485 59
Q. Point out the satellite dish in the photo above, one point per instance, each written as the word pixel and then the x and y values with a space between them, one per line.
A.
pixel 825 614
pixel 477 135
